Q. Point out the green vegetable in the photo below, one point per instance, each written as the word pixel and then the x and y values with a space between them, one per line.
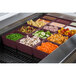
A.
pixel 48 32
pixel 14 36
pixel 42 34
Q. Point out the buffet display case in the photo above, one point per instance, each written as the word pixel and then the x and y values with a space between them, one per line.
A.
pixel 39 38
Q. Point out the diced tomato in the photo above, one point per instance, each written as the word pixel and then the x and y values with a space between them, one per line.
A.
pixel 67 29
pixel 64 30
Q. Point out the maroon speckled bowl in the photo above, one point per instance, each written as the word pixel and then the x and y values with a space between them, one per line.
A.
pixel 41 54
pixel 24 48
pixel 9 42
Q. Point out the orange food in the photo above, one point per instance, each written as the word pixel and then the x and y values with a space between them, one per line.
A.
pixel 47 47
pixel 58 38
pixel 46 21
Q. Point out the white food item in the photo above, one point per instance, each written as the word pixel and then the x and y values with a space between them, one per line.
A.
pixel 30 41
pixel 73 23
pixel 70 28
pixel 42 33
pixel 47 35
pixel 51 28
pixel 57 24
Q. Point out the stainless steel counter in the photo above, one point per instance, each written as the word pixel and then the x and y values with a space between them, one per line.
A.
pixel 14 18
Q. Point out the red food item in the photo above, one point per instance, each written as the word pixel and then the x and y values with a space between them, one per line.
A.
pixel 64 30
pixel 67 29
pixel 68 33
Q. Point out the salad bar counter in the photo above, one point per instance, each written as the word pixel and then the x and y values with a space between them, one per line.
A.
pixel 40 38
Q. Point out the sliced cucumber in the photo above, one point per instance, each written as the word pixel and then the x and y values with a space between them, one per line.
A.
pixel 43 33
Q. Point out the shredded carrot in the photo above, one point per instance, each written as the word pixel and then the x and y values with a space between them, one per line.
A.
pixel 47 47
